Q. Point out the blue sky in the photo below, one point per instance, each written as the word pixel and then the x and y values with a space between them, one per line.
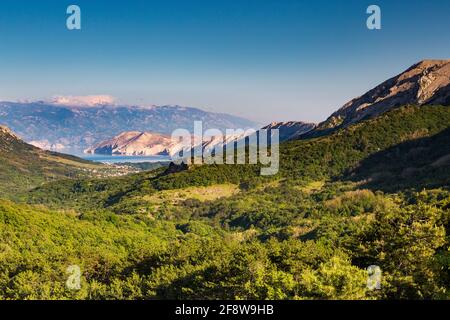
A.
pixel 268 60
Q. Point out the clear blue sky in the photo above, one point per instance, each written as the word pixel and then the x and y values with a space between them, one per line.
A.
pixel 262 59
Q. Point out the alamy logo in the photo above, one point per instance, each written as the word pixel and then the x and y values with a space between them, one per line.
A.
pixel 214 147
pixel 74 280
pixel 374 20
pixel 73 22
pixel 374 277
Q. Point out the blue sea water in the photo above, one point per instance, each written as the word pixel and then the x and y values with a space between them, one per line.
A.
pixel 123 159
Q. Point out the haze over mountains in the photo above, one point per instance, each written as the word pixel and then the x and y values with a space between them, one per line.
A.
pixel 97 125
pixel 427 82
pixel 171 233
pixel 72 125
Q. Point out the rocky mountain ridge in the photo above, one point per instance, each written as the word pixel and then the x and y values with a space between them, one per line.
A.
pixel 138 143
pixel 290 129
pixel 427 82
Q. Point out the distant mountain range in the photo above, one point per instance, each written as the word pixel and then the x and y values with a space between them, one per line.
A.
pixel 136 143
pixel 133 143
pixel 99 126
pixel 72 128
pixel 76 126
pixel 375 187
pixel 427 82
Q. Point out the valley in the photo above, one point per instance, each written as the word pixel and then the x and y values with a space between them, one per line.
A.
pixel 372 190
pixel 24 167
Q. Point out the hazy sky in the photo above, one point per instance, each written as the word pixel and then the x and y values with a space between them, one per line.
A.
pixel 263 59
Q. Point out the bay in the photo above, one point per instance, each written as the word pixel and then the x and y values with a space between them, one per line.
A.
pixel 124 159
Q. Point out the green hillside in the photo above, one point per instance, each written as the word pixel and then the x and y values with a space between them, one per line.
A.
pixel 224 232
pixel 329 156
pixel 325 158
pixel 24 167
pixel 279 243
pixel 418 163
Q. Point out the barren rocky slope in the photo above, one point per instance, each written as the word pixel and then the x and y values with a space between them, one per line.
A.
pixel 427 82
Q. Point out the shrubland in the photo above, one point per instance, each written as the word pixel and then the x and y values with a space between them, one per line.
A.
pixel 309 232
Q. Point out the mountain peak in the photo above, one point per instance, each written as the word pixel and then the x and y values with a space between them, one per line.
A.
pixel 290 129
pixel 426 82
pixel 84 101
pixel 426 63
pixel 6 130
pixel 133 143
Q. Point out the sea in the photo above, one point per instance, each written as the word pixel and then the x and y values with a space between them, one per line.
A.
pixel 124 159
